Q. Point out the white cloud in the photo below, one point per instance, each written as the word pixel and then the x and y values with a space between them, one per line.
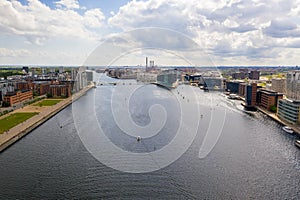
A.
pixel 94 18
pixel 37 22
pixel 230 31
pixel 68 4
pixel 282 28
pixel 250 29
pixel 4 52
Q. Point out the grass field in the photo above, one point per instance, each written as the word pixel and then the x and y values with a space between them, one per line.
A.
pixel 48 102
pixel 13 120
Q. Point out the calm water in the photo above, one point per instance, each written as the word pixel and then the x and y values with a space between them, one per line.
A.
pixel 253 158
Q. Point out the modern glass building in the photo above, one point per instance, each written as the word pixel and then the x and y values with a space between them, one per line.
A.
pixel 289 111
pixel 167 78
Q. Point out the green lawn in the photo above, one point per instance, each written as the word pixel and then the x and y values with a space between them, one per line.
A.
pixel 48 102
pixel 13 120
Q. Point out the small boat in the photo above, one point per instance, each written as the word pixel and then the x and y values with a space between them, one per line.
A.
pixel 288 129
pixel 297 143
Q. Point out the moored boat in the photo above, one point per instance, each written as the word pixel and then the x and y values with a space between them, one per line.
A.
pixel 288 129
pixel 297 143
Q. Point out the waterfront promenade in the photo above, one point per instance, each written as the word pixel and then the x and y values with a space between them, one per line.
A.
pixel 45 113
pixel 296 128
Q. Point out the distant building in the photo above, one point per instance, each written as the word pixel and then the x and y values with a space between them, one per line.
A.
pixel 146 77
pixel 17 97
pixel 61 70
pixel 244 70
pixel 293 85
pixel 289 110
pixel 151 63
pixel 26 69
pixel 278 85
pixel 266 98
pixel 254 75
pixel 239 75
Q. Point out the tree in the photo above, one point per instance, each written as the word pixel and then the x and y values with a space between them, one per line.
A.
pixel 49 95
pixel 5 104
pixel 273 109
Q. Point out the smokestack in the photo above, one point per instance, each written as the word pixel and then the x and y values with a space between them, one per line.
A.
pixel 146 63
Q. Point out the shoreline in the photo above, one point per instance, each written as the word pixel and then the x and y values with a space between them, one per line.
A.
pixel 276 119
pixel 24 128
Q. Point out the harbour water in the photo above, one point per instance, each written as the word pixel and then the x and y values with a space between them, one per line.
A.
pixel 252 158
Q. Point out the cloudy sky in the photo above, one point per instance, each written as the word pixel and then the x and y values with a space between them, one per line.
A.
pixel 171 32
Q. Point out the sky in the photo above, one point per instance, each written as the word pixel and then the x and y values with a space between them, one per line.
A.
pixel 170 32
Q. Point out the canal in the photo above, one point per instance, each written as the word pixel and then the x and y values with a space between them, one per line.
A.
pixel 195 145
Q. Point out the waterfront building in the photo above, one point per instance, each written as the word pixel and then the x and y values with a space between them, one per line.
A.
pixel 146 77
pixel 167 78
pixel 268 99
pixel 250 94
pixel 254 75
pixel 289 110
pixel 60 90
pixel 213 83
pixel 196 78
pixel 17 97
pixel 89 76
pixel 233 86
pixel 278 85
pixel 79 76
pixel 293 85
pixel 242 89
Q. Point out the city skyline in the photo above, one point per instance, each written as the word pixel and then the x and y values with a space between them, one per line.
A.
pixel 233 32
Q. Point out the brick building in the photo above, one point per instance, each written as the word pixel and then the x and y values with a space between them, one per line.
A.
pixel 250 94
pixel 41 87
pixel 58 90
pixel 267 98
pixel 17 97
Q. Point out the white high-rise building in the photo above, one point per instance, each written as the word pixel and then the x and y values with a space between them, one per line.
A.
pixel 293 85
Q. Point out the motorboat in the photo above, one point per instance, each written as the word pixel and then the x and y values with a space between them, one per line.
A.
pixel 288 129
pixel 297 143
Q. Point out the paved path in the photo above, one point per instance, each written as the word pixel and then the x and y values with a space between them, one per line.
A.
pixel 15 133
